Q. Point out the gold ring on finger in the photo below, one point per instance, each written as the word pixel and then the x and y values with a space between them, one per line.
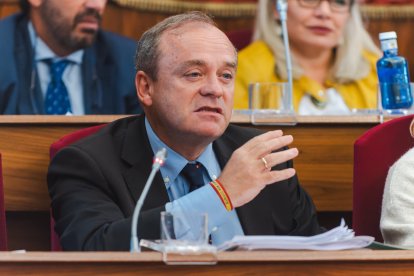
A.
pixel 265 163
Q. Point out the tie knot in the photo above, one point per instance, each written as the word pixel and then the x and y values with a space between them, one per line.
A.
pixel 193 173
pixel 57 68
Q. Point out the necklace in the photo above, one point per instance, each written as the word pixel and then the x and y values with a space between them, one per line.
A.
pixel 322 102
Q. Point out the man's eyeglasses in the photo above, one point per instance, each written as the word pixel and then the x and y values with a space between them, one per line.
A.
pixel 336 5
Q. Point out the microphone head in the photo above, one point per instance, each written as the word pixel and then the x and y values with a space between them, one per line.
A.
pixel 281 6
pixel 160 157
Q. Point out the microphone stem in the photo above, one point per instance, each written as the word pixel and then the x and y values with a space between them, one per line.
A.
pixel 134 227
pixel 281 7
pixel 289 99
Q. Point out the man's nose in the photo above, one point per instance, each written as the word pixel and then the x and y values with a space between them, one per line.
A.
pixel 98 5
pixel 213 87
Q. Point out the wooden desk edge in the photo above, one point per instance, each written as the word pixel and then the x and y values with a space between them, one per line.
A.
pixel 364 255
pixel 237 117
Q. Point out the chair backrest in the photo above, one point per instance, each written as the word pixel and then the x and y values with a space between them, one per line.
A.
pixel 54 148
pixel 240 38
pixel 374 153
pixel 3 230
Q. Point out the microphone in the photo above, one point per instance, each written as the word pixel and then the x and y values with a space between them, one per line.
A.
pixel 158 161
pixel 281 7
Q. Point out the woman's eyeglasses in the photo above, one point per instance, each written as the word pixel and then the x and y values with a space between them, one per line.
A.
pixel 339 6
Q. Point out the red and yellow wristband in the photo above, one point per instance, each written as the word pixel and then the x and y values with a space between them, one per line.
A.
pixel 221 192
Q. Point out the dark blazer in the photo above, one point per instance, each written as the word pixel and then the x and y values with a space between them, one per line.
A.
pixel 95 183
pixel 107 72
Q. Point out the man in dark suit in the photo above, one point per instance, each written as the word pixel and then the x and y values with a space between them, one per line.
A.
pixel 185 81
pixel 98 67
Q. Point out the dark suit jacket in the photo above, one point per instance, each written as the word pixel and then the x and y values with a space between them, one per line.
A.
pixel 107 73
pixel 95 183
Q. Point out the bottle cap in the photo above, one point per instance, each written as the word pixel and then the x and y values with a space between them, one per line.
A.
pixel 387 35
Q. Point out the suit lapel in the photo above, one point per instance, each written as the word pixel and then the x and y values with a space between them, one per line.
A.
pixel 256 216
pixel 92 100
pixel 98 79
pixel 138 153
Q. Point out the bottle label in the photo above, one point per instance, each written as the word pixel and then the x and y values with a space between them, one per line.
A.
pixel 388 44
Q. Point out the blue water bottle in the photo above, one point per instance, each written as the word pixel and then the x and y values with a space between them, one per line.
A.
pixel 393 76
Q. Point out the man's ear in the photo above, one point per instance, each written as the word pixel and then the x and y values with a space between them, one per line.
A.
pixel 144 85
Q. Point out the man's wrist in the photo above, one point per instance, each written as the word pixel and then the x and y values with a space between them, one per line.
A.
pixel 222 194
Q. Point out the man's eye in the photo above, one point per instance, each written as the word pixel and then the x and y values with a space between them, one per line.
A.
pixel 193 74
pixel 228 76
pixel 340 2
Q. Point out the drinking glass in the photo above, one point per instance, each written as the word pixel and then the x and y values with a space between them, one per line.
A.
pixel 186 234
pixel 271 103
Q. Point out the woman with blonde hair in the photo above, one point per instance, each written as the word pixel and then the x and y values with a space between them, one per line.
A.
pixel 333 56
pixel 397 215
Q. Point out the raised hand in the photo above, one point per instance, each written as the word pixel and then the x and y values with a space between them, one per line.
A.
pixel 249 168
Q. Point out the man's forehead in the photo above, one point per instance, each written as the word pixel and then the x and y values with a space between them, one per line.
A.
pixel 200 62
pixel 193 44
pixel 196 37
pixel 193 32
pixel 189 26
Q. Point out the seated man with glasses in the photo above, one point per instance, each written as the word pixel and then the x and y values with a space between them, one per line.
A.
pixel 333 57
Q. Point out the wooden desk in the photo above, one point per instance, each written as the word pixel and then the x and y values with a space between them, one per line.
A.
pixel 324 165
pixel 355 262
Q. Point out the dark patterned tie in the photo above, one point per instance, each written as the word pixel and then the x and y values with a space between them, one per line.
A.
pixel 193 173
pixel 57 98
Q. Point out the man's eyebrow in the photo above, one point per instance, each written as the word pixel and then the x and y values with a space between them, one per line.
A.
pixel 231 64
pixel 198 62
pixel 186 64
pixel 192 62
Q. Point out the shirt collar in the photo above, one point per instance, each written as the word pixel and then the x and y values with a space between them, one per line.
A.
pixel 43 52
pixel 176 162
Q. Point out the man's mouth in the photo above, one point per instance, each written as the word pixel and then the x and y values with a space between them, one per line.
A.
pixel 89 19
pixel 210 109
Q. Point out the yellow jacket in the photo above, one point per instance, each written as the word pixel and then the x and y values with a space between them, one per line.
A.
pixel 256 64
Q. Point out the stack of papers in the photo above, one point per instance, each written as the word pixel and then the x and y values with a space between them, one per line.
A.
pixel 339 238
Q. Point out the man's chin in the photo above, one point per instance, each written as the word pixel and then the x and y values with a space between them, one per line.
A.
pixel 84 39
pixel 211 132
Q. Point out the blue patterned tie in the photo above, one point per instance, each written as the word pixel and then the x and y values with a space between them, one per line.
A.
pixel 193 173
pixel 57 98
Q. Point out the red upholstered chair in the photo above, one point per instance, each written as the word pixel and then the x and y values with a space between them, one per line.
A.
pixel 374 153
pixel 54 148
pixel 240 38
pixel 3 231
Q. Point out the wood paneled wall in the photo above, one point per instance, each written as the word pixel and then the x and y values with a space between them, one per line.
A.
pixel 133 22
